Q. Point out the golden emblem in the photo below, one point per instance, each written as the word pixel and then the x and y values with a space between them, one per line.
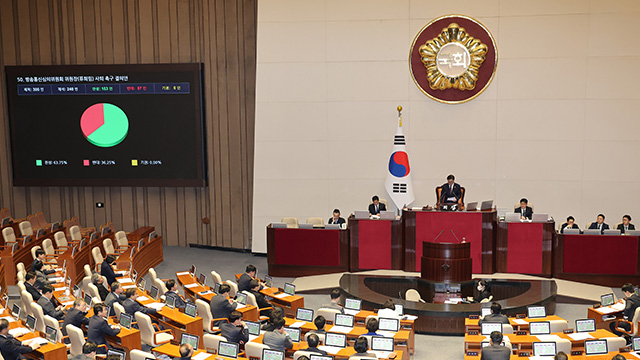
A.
pixel 453 59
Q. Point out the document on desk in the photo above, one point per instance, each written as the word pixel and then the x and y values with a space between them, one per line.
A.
pixel 386 333
pixel 182 273
pixel 67 303
pixel 17 332
pixel 382 354
pixel 240 306
pixel 548 337
pixel 341 329
pixel 351 312
pixel 409 317
pixel 142 298
pixel 330 349
pixel 636 354
pixel 520 321
pixel 580 336
pixel 189 286
pixel 155 305
pixel 618 306
pixel 203 355
pixel 125 280
pixel 297 324
pixel 36 340
pixel 129 287
pixel 8 318
pixel 605 310
pixel 56 279
pixel 281 296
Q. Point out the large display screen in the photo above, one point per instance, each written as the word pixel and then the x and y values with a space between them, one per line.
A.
pixel 106 125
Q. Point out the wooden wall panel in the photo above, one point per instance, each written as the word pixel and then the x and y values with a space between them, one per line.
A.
pixel 221 34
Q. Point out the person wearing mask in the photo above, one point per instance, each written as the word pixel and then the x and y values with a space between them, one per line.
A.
pixel 235 330
pixel 48 307
pixel 495 351
pixel 483 292
pixel 525 211
pixel 278 339
pixel 76 316
pixel 10 347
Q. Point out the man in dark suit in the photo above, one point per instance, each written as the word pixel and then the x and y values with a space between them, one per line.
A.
pixel 221 307
pixel 29 284
pixel 525 211
pixel 11 348
pixel 89 350
pixel 235 330
pixel 115 296
pixel 99 327
pixel 451 191
pixel 106 269
pixel 41 256
pixel 495 315
pixel 632 302
pixel 186 352
pixel 599 224
pixel 41 278
pixel 375 207
pixel 277 339
pixel 495 351
pixel 312 341
pixel 249 274
pixel 172 290
pixel 98 281
pixel 626 224
pixel 76 316
pixel 336 219
pixel 570 224
pixel 131 306
pixel 48 308
pixel 260 299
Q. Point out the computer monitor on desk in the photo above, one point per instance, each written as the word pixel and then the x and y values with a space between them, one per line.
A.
pixel 488 327
pixel 546 348
pixel 539 328
pixel 607 299
pixel 592 232
pixel 361 214
pixel 512 217
pixel 571 231
pixel 278 225
pixel 632 232
pixel 611 232
pixel 305 226
pixel 387 215
pixel 472 206
pixel 540 217
pixel 332 226
pixel 536 312
pixel 486 205
pixel 585 325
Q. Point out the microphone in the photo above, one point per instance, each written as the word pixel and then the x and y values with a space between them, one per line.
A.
pixel 436 238
pixel 454 235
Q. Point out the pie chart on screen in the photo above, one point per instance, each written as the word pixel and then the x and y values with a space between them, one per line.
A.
pixel 104 124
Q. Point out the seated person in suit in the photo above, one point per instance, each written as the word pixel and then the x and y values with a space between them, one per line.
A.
pixel 388 310
pixel 599 224
pixel 631 301
pixel 99 327
pixel 131 306
pixel 29 284
pixel 362 348
pixel 562 356
pixel 41 278
pixel 235 330
pixel 451 192
pixel 115 296
pixel 172 290
pixel 525 211
pixel 40 256
pixel 483 292
pixel 186 351
pixel 277 339
pixel 10 347
pixel 495 351
pixel 249 274
pixel 76 316
pixel 495 315
pixel 106 269
pixel 312 341
pixel 626 224
pixel 221 306
pixel 333 304
pixel 570 224
pixel 376 206
pixel 319 322
pixel 276 313
pixel 372 326
pixel 98 281
pixel 89 350
pixel 336 219
pixel 260 299
pixel 48 308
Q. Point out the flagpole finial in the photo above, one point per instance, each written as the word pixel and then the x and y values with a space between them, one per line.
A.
pixel 400 115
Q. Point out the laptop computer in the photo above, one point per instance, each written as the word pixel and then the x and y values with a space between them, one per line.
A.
pixel 585 325
pixel 119 353
pixel 332 226
pixel 190 309
pixel 294 333
pixel 278 225
pixel 539 328
pixel 387 215
pixel 228 349
pixel 289 289
pixel 153 293
pixel 540 217
pixel 488 327
pixel 352 306
pixel 344 320
pixel 607 299
pixel 125 320
pixel 595 347
pixel 485 311
pixel 486 205
pixel 202 279
pixel 544 348
pixel 15 310
pixel 472 206
pixel 268 281
pixel 361 214
pixel 190 339
pixel 571 231
pixel 305 226
pixel 270 354
pixel 321 357
pixel 635 342
pixel 192 271
pixel 399 309
pixel 31 322
pixel 52 334
pixel 241 298
pixel 536 312
pixel 592 232
pixel 254 329
pixel 611 232
pixel 632 232
pixel 335 339
pixel 388 324
pixel 170 301
pixel 303 314
pixel 382 343
pixel 512 217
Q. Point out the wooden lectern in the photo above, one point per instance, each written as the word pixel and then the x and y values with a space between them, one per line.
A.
pixel 446 262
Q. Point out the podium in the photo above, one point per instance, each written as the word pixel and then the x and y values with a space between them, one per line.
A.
pixel 446 262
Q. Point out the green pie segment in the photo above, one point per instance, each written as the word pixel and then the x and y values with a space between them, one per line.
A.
pixel 111 125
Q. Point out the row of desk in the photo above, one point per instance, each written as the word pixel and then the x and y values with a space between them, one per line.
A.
pixel 496 247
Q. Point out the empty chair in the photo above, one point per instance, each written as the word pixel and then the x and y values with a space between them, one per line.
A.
pixel 557 326
pixel 93 290
pixel 217 279
pixel 234 288
pixel 61 241
pixel 211 342
pixel 299 353
pixel 76 337
pixel 204 311
pixel 162 288
pixel 9 235
pixel 507 329
pixel 108 246
pixel 148 335
pixel 253 350
pixel 97 257
pixel 26 299
pixel 75 234
pixel 21 286
pixel 413 295
pixel 291 222
pixel 153 275
pixel 329 314
pixel 20 276
pixel 87 270
pixel 140 355
pixel 122 242
pixel 20 266
pixel 25 228
pixel 564 345
pixel 315 221
pixel 33 220
pixel 42 222
pixel 36 311
pixel 49 250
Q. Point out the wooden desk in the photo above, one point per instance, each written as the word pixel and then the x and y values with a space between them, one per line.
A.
pixel 139 233
pixel 525 247
pixel 609 356
pixel 173 351
pixel 48 351
pixel 248 312
pixel 75 264
pixel 289 251
pixel 23 255
pixel 526 341
pixel 290 304
pixel 598 316
pixel 375 244
pixel 127 339
pixel 472 324
pixel 148 256
pixel 407 325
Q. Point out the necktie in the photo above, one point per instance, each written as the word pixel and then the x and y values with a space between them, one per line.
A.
pixel 599 226
pixel 626 227
pixel 377 209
